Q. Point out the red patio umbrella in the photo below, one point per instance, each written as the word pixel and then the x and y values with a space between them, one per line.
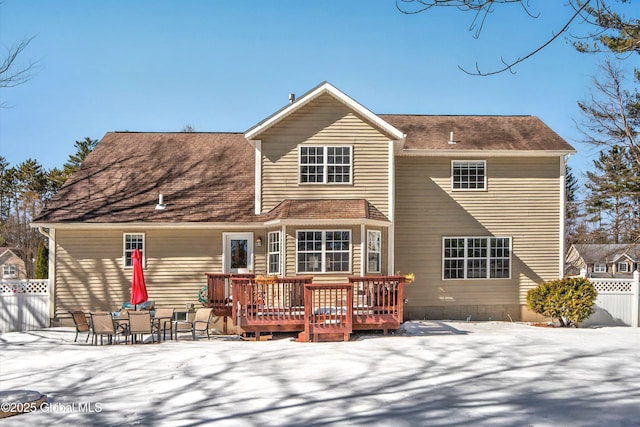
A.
pixel 138 287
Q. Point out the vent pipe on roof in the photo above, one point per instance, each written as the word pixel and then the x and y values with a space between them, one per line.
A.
pixel 160 206
pixel 451 140
pixel 292 97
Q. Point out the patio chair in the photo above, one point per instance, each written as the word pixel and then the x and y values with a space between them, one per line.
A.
pixel 140 324
pixel 81 323
pixel 201 323
pixel 163 321
pixel 102 325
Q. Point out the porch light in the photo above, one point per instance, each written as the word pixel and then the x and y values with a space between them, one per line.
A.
pixel 259 241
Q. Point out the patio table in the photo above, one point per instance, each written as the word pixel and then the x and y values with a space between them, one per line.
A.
pixel 122 322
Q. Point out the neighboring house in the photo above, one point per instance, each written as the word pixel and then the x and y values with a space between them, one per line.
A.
pixel 472 205
pixel 12 264
pixel 603 260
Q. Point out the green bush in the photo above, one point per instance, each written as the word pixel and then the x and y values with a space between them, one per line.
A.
pixel 42 262
pixel 569 300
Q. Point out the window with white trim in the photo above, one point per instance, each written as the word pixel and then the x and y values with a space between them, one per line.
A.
pixel 131 242
pixel 623 267
pixel 9 271
pixel 374 248
pixel 468 175
pixel 325 165
pixel 600 267
pixel 476 257
pixel 323 251
pixel 273 252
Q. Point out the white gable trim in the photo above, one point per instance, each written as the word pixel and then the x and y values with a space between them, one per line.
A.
pixel 323 88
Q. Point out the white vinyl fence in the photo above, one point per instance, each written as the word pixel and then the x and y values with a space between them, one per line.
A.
pixel 24 305
pixel 617 304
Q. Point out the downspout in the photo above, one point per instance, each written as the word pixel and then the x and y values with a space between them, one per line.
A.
pixel 363 248
pixel 258 178
pixel 563 210
pixel 51 236
pixel 283 251
pixel 392 208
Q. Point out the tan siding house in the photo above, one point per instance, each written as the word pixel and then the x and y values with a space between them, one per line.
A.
pixel 11 264
pixel 472 205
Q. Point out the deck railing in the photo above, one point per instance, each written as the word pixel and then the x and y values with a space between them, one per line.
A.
pixel 219 291
pixel 269 305
pixel 265 304
pixel 378 301
pixel 328 309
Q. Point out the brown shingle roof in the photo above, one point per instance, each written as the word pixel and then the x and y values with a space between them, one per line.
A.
pixel 209 177
pixel 202 176
pixel 593 253
pixel 477 133
pixel 325 209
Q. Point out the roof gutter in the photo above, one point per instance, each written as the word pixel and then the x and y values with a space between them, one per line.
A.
pixel 484 153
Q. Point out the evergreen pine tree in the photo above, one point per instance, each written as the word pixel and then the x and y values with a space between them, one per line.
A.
pixel 611 196
pixel 42 262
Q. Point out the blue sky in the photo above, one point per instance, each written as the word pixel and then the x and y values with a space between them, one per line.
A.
pixel 225 65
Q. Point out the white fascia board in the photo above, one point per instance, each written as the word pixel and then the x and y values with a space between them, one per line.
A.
pixel 325 87
pixel 325 222
pixel 149 225
pixel 484 153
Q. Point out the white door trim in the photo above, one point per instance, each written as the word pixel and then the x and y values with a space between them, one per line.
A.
pixel 226 251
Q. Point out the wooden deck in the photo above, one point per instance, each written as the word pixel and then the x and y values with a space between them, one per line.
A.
pixel 295 304
pixel 219 294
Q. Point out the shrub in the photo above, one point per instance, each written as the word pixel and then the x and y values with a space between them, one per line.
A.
pixel 42 262
pixel 569 300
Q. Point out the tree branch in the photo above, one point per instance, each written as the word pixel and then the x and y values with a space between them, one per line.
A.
pixel 10 73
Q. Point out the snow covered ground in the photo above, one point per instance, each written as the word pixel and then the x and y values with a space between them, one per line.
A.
pixel 431 374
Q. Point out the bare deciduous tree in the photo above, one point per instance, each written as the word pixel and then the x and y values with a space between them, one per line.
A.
pixel 13 73
pixel 612 113
pixel 610 29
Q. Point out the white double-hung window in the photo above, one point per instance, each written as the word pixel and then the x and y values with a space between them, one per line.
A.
pixel 325 165
pixel 374 249
pixel 9 271
pixel 273 249
pixel 476 258
pixel 600 267
pixel 131 242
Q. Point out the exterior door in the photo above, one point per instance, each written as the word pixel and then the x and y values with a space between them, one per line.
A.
pixel 238 252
